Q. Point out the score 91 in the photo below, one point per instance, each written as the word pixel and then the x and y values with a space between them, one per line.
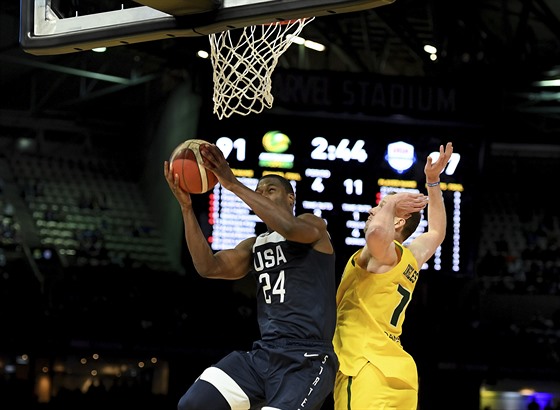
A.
pixel 227 145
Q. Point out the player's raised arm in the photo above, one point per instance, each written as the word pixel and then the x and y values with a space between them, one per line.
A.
pixel 225 264
pixel 425 245
pixel 382 224
pixel 268 201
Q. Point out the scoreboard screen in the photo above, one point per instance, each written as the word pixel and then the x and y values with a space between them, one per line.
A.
pixel 339 176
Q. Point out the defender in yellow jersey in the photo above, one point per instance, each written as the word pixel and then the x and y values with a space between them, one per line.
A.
pixel 376 287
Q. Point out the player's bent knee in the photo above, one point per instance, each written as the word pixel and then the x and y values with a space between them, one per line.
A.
pixel 202 396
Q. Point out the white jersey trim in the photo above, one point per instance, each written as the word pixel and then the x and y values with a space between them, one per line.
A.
pixel 231 391
pixel 268 237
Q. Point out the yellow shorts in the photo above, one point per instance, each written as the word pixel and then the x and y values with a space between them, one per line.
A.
pixel 371 390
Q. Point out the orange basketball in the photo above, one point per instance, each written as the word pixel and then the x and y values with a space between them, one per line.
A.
pixel 187 162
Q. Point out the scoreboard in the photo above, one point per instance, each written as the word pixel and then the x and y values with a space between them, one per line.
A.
pixel 339 176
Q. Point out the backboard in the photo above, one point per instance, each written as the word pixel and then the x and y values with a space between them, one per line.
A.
pixel 46 29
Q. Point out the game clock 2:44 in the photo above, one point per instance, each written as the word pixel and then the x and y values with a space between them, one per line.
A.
pixel 344 150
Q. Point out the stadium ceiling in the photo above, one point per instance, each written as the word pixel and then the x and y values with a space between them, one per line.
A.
pixel 514 42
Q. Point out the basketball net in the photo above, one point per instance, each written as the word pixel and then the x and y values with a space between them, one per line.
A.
pixel 243 60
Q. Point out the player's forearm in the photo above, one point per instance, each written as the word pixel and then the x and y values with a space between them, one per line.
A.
pixel 276 218
pixel 437 219
pixel 201 253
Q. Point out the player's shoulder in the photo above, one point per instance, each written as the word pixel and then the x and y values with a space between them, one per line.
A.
pixel 247 244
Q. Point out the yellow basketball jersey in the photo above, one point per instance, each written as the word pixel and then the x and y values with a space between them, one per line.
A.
pixel 371 311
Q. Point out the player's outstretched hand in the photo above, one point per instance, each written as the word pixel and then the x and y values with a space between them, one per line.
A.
pixel 213 159
pixel 434 168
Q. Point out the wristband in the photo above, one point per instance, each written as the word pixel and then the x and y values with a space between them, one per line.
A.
pixel 432 184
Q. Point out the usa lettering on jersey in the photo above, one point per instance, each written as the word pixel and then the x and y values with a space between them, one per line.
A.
pixel 269 258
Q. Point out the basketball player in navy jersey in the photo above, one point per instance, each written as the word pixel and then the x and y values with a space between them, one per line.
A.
pixel 293 365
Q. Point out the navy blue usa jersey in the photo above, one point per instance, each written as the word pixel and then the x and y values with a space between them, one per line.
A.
pixel 296 289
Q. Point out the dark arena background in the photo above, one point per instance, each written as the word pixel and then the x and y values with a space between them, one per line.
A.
pixel 100 306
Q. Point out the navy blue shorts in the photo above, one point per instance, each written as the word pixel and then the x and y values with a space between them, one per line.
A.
pixel 284 374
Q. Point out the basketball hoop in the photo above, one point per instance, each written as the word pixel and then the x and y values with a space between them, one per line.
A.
pixel 244 59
